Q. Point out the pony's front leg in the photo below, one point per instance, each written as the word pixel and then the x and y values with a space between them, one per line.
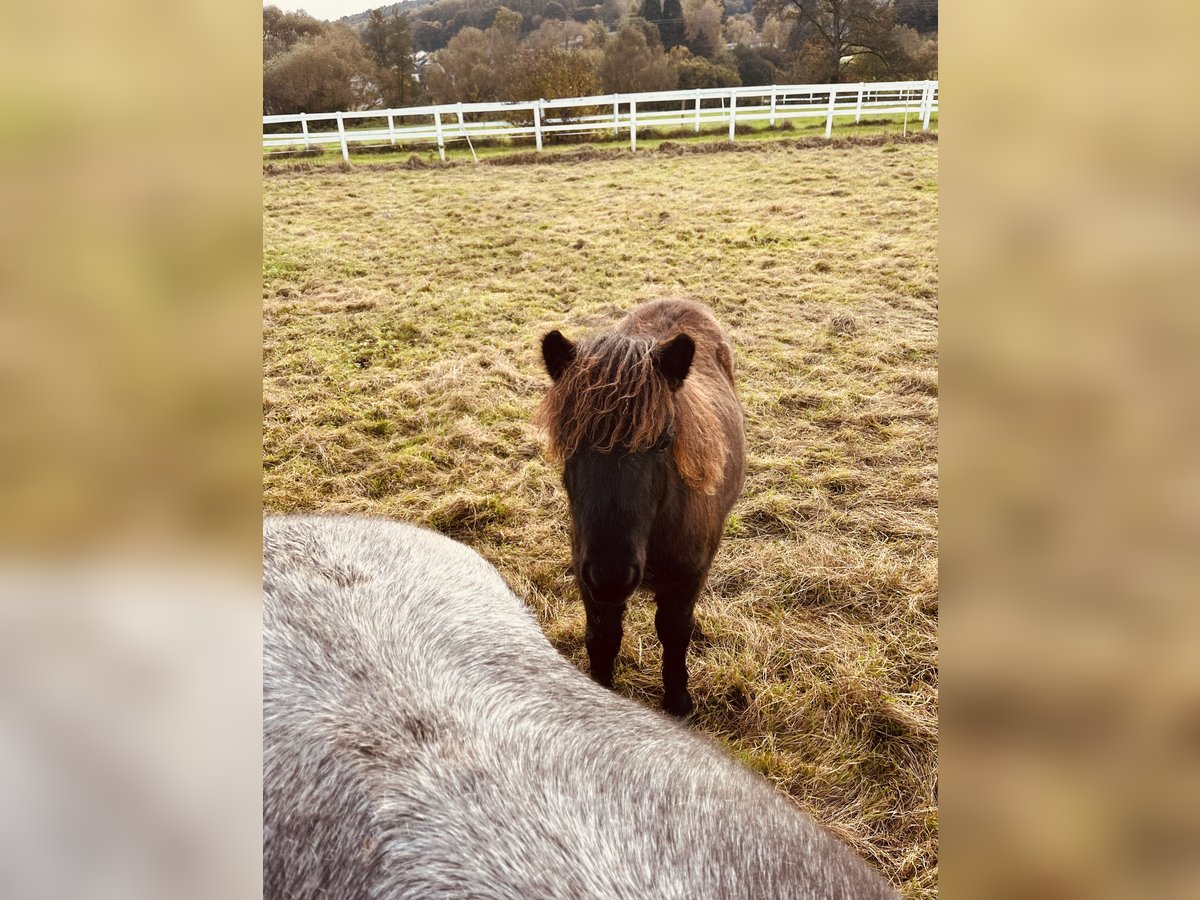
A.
pixel 603 638
pixel 674 622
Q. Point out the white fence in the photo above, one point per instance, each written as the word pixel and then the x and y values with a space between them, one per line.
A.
pixel 611 113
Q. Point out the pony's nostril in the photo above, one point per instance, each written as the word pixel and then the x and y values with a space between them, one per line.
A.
pixel 603 579
pixel 633 577
pixel 589 575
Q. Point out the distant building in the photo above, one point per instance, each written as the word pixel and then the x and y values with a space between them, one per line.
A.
pixel 420 61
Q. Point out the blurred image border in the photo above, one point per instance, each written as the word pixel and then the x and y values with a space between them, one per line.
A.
pixel 130 358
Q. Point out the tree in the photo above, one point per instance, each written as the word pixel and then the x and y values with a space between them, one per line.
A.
pixel 428 36
pixel 389 39
pixel 631 63
pixel 282 30
pixel 554 72
pixel 919 15
pixel 700 73
pixel 917 59
pixel 672 24
pixel 375 34
pixel 476 66
pixel 776 32
pixel 652 11
pixel 703 27
pixel 647 28
pixel 327 72
pixel 739 30
pixel 554 10
pixel 754 67
pixel 613 11
pixel 552 34
pixel 830 31
pixel 508 21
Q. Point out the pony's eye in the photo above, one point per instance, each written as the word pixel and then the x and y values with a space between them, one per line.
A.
pixel 663 442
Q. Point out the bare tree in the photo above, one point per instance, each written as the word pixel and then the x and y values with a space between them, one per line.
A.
pixel 829 31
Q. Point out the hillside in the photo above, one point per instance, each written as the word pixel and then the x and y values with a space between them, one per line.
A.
pixel 445 18
pixel 435 22
pixel 359 20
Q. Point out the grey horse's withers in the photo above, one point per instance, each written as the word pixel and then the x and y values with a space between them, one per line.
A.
pixel 422 739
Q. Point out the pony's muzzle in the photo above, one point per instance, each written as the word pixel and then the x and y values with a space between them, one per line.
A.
pixel 611 580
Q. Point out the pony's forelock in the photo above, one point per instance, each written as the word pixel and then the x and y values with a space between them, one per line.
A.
pixel 613 398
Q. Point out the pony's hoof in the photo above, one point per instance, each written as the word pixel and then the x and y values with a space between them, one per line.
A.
pixel 679 705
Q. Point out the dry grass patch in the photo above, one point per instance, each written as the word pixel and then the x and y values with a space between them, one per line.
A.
pixel 402 314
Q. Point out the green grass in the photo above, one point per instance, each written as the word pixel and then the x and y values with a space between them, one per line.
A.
pixel 457 149
pixel 402 315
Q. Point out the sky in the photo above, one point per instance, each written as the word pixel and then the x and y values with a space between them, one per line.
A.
pixel 327 9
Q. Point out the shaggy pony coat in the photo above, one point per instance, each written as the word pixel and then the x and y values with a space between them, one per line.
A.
pixel 612 397
pixel 422 740
pixel 662 380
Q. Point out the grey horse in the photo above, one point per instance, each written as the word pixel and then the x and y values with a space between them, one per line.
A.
pixel 423 739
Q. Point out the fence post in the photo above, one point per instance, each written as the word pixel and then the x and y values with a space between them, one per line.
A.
pixel 697 111
pixel 304 128
pixel 633 125
pixel 616 116
pixel 858 109
pixel 928 105
pixel 437 124
pixel 391 129
pixel 462 128
pixel 342 135
pixel 732 112
pixel 537 124
pixel 772 122
pixel 829 119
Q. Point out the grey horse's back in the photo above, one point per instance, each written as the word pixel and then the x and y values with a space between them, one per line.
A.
pixel 422 739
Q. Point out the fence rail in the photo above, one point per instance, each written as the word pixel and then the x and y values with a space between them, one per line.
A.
pixel 452 122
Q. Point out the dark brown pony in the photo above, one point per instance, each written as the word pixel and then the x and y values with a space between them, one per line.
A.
pixel 648 427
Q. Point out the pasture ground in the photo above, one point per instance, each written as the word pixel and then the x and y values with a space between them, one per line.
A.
pixel 402 314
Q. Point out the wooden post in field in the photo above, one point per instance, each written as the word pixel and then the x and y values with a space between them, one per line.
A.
pixel 928 105
pixel 858 109
pixel 732 113
pixel 304 128
pixel 342 135
pixel 829 119
pixel 616 116
pixel 633 125
pixel 437 124
pixel 772 122
pixel 462 128
pixel 697 112
pixel 537 124
pixel 391 128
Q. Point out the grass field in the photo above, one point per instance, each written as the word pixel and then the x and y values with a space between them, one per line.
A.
pixel 402 315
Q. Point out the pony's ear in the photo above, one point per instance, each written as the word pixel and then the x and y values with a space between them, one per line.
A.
pixel 674 359
pixel 557 352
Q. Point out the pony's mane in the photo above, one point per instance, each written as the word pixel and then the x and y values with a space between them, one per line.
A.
pixel 612 398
